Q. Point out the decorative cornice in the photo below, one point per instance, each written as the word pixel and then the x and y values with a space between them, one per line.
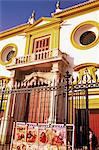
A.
pixel 27 27
pixel 81 66
pixel 77 9
pixel 50 22
pixel 13 31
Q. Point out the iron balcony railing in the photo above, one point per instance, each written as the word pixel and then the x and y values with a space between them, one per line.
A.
pixel 38 56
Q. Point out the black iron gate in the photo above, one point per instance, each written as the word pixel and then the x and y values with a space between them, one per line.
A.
pixel 78 93
pixel 71 96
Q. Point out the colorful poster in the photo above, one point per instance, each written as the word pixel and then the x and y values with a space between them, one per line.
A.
pixel 21 129
pixel 42 137
pixel 59 137
pixel 32 136
pixel 32 133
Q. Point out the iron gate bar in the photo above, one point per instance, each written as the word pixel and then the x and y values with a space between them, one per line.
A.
pixel 67 79
pixel 87 113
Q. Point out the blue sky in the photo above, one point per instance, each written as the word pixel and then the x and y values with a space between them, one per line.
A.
pixel 17 12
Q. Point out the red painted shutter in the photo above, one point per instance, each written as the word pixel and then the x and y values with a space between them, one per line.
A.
pixel 94 122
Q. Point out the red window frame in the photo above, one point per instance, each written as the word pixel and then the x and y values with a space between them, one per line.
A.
pixel 41 44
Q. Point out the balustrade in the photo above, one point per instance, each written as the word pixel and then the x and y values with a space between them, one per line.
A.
pixel 42 55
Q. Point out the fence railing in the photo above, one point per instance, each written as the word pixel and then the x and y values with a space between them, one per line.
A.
pixel 44 95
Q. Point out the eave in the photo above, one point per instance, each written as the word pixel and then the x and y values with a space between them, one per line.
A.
pixel 13 31
pixel 77 9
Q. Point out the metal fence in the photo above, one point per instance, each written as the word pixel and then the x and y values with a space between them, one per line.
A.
pixel 78 100
pixel 65 103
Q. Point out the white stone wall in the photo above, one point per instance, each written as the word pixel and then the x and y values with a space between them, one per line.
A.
pixel 20 42
pixel 80 56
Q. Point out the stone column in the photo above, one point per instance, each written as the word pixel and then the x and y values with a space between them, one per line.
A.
pixel 55 80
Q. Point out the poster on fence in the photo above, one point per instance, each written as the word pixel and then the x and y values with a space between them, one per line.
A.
pixel 59 137
pixel 30 136
pixel 43 139
pixel 21 129
pixel 19 140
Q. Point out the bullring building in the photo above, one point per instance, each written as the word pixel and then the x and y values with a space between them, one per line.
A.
pixel 49 70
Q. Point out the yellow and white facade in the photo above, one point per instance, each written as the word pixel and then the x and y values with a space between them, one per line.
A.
pixel 69 40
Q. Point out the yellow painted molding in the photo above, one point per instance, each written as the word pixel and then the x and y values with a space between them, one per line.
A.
pixel 52 32
pixel 77 14
pixel 16 50
pixel 49 22
pixel 13 31
pixel 44 26
pixel 44 19
pixel 51 29
pixel 27 46
pixel 89 71
pixel 77 10
pixel 81 66
pixel 7 79
pixel 90 93
pixel 93 92
pixel 80 46
pixel 93 103
pixel 4 77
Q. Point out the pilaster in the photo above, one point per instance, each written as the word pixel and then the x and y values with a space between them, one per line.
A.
pixel 56 72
